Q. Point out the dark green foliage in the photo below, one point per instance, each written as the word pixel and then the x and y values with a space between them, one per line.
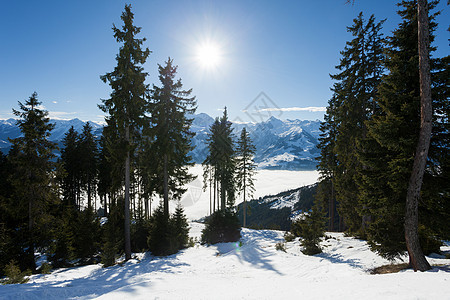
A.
pixel 289 236
pixel 32 183
pixel 62 250
pixel 70 158
pixel 312 230
pixel 168 236
pixel 393 135
pixel 223 226
pixel 88 163
pixel 280 247
pixel 158 238
pixel 261 216
pixel 179 235
pixel 245 168
pixel 45 268
pixel 140 229
pixel 220 163
pixel 126 107
pixel 87 235
pixel 429 241
pixel 113 235
pixel 14 274
pixel 344 128
pixel 170 134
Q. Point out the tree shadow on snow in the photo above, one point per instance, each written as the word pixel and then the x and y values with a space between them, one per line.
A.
pixel 99 282
pixel 339 259
pixel 250 251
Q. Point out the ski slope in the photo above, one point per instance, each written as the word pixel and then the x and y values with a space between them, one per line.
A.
pixel 255 270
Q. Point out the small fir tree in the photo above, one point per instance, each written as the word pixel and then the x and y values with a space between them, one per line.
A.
pixel 245 167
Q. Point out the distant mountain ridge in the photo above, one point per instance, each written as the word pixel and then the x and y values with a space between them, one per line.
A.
pixel 286 145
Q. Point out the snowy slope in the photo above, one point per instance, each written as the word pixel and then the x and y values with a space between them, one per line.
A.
pixel 267 182
pixel 254 271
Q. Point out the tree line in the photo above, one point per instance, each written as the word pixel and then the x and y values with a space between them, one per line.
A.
pixel 48 205
pixel 370 135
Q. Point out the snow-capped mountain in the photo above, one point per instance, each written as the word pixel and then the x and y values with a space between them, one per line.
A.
pixel 287 145
pixel 9 129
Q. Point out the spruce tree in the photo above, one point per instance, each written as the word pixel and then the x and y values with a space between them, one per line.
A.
pixel 395 128
pixel 88 163
pixel 70 158
pixel 221 158
pixel 416 257
pixel 31 156
pixel 169 107
pixel 312 227
pixel 245 167
pixel 344 129
pixel 126 107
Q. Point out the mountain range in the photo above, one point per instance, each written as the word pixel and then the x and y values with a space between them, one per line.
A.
pixel 280 144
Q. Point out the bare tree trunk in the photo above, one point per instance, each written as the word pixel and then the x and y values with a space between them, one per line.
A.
pixel 210 194
pixel 166 188
pixel 417 259
pixel 331 227
pixel 214 196
pixel 245 203
pixel 89 194
pixel 127 198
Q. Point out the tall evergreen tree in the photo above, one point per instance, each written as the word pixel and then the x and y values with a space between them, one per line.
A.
pixel 31 156
pixel 126 107
pixel 88 163
pixel 70 158
pixel 169 107
pixel 245 167
pixel 396 131
pixel 416 257
pixel 221 158
pixel 352 104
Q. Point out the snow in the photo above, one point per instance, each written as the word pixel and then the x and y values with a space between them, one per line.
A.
pixel 267 182
pixel 252 270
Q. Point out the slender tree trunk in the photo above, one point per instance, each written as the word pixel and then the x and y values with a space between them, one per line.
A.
pixel 245 203
pixel 210 192
pixel 417 259
pixel 89 195
pixel 222 195
pixel 331 227
pixel 214 196
pixel 31 232
pixel 127 198
pixel 166 188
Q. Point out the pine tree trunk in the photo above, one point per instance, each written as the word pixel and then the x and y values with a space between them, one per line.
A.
pixel 31 233
pixel 127 198
pixel 331 227
pixel 89 195
pixel 222 195
pixel 245 203
pixel 214 196
pixel 210 192
pixel 417 259
pixel 166 188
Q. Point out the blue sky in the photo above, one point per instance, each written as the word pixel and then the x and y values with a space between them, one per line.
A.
pixel 281 51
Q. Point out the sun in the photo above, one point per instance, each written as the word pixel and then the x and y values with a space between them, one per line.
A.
pixel 208 55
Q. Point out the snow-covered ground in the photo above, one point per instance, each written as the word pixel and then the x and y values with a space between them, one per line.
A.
pixel 254 270
pixel 267 182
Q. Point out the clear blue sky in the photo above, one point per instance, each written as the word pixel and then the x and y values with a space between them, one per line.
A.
pixel 286 49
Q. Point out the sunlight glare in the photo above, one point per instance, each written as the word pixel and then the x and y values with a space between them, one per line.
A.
pixel 208 55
